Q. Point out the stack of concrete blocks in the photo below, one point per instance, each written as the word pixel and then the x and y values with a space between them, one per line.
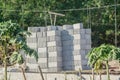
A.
pixel 67 47
pixel 82 44
pixel 32 43
pixel 42 49
pixel 60 48
pixel 54 49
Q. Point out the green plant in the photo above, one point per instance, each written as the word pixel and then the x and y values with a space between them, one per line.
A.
pixel 103 54
pixel 12 42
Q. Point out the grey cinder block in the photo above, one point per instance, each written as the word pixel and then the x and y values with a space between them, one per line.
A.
pixel 79 36
pixel 54 43
pixel 31 40
pixel 42 49
pixel 79 31
pixel 53 33
pixel 78 26
pixel 43 29
pixel 33 29
pixel 66 27
pixel 88 31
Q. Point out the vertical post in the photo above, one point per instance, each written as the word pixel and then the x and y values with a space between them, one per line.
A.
pixel 93 73
pixel 51 19
pixel 80 74
pixel 23 72
pixel 115 23
pixel 5 59
pixel 41 72
pixel 55 19
pixel 88 18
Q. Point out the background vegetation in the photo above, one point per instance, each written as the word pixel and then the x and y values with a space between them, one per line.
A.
pixel 99 15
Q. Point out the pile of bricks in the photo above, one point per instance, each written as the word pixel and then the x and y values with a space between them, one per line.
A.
pixel 60 47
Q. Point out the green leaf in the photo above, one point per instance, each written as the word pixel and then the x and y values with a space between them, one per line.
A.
pixel 13 57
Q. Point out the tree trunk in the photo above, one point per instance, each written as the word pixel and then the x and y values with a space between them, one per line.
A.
pixel 23 73
pixel 100 76
pixel 5 69
pixel 41 72
pixel 5 60
pixel 92 73
pixel 107 70
pixel 80 74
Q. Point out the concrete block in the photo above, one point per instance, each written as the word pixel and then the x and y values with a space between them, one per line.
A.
pixel 77 57
pixel 42 44
pixel 67 43
pixel 42 60
pixel 33 29
pixel 42 50
pixel 41 34
pixel 43 29
pixel 77 62
pixel 78 67
pixel 53 33
pixel 66 27
pixel 31 60
pixel 68 68
pixel 88 36
pixel 67 47
pixel 78 26
pixel 32 45
pixel 88 47
pixel 68 37
pixel 79 52
pixel 44 70
pixel 70 32
pixel 55 64
pixel 54 69
pixel 50 28
pixel 42 39
pixel 54 54
pixel 88 31
pixel 84 62
pixel 53 38
pixel 64 32
pixel 31 40
pixel 32 66
pixel 88 41
pixel 68 63
pixel 54 49
pixel 79 31
pixel 42 54
pixel 67 53
pixel 43 65
pixel 77 47
pixel 79 36
pixel 59 28
pixel 68 58
pixel 77 41
pixel 55 59
pixel 54 43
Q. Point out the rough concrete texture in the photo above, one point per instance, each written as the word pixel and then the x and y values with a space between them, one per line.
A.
pixel 64 46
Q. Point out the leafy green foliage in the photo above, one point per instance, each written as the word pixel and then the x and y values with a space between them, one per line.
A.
pixel 103 53
pixel 13 38
pixel 34 13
